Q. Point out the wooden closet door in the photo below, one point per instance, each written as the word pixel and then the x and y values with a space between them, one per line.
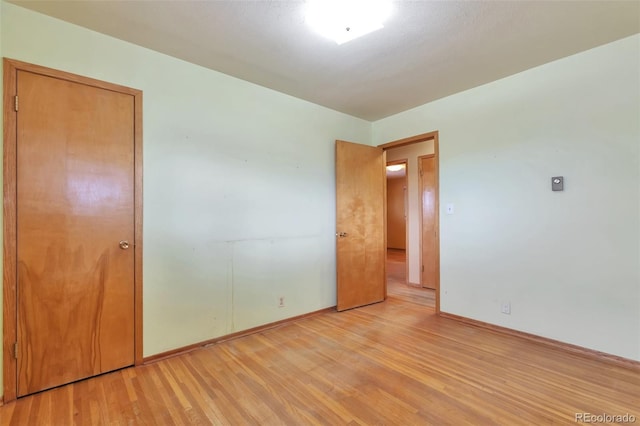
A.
pixel 75 231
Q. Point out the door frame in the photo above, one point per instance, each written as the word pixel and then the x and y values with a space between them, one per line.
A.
pixel 404 161
pixel 9 292
pixel 436 153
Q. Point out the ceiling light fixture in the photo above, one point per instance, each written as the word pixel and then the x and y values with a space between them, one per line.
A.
pixel 345 20
pixel 395 167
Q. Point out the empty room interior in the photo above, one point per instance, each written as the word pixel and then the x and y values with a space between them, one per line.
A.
pixel 265 212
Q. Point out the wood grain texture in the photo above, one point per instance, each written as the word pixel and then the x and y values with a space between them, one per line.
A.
pixel 75 191
pixel 9 232
pixel 436 153
pixel 360 213
pixel 238 334
pixel 394 363
pixel 63 75
pixel 11 68
pixel 137 247
pixel 428 224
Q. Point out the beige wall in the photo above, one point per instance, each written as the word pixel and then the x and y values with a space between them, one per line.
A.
pixel 569 262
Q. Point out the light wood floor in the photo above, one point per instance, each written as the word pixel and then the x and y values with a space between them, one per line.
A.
pixel 397 286
pixel 392 363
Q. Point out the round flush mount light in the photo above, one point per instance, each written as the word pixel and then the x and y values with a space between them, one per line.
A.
pixel 345 20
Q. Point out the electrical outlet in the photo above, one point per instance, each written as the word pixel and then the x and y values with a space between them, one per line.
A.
pixel 281 302
pixel 505 308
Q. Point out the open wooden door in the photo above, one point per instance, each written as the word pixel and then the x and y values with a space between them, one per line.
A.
pixel 360 221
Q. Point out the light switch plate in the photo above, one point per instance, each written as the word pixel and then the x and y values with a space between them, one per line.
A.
pixel 557 183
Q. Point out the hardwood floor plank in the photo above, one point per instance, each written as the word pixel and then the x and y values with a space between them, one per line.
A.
pixel 150 412
pixel 390 363
pixel 275 381
pixel 18 414
pixel 7 414
pixel 63 407
pixel 203 396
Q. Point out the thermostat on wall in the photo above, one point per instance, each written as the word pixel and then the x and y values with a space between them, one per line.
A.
pixel 557 183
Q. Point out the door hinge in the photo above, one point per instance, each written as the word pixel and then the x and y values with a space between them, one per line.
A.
pixel 15 350
pixel 15 103
pixel 422 268
pixel 420 172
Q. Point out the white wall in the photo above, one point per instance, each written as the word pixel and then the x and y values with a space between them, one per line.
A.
pixel 568 262
pixel 411 153
pixel 238 184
